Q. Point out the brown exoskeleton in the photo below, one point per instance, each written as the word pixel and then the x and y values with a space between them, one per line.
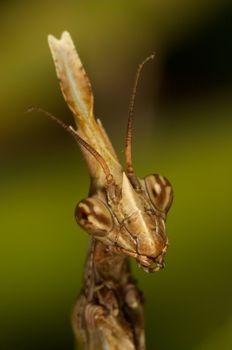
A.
pixel 124 215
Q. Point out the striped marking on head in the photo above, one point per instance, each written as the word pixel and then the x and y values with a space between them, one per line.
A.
pixel 159 191
pixel 94 216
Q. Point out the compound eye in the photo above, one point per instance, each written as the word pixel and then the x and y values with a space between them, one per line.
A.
pixel 159 191
pixel 94 216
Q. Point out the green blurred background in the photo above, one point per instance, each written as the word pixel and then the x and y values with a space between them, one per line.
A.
pixel 182 130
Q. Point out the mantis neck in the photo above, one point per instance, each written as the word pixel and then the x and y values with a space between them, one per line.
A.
pixel 104 269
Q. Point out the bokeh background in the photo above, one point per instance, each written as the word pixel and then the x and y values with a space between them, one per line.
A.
pixel 182 130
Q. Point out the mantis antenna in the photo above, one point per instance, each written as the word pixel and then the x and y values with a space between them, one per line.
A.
pixel 128 143
pixel 80 141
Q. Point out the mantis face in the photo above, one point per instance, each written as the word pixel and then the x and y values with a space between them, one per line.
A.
pixel 134 224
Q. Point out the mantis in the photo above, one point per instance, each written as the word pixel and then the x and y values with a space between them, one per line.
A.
pixel 124 215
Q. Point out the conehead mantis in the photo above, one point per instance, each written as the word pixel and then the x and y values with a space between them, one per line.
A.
pixel 123 214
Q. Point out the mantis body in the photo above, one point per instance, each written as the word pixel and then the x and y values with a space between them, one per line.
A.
pixel 124 215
